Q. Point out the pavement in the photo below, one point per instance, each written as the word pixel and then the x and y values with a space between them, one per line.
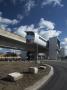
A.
pixel 43 81
pixel 59 79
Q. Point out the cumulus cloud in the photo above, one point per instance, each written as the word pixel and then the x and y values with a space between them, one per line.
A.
pixel 45 28
pixel 5 22
pixel 46 24
pixel 32 28
pixel 3 26
pixel 64 46
pixel 49 34
pixel 21 31
pixel 29 5
pixel 8 21
pixel 64 42
pixel 65 39
pixel 54 2
pixel 8 29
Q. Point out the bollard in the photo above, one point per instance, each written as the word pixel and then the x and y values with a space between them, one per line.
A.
pixel 42 67
pixel 14 76
pixel 33 70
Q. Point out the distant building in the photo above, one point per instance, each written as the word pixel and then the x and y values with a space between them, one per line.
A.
pixel 41 56
pixel 63 52
pixel 54 48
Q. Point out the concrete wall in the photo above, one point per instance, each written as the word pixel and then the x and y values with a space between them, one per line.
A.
pixel 53 48
pixel 10 40
pixel 12 36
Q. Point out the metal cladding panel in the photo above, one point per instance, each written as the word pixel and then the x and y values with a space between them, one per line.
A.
pixel 38 41
pixel 53 48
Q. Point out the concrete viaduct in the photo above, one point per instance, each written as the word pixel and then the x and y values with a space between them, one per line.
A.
pixel 11 40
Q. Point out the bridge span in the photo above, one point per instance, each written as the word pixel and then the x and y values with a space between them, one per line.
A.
pixel 11 40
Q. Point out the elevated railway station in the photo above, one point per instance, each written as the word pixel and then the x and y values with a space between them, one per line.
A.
pixel 33 44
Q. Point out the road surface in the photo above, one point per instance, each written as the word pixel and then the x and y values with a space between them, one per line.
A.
pixel 59 80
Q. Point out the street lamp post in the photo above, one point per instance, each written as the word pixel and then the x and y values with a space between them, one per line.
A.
pixel 38 61
pixel 37 52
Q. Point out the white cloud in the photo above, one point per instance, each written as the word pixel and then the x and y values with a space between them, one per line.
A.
pixel 8 21
pixel 54 2
pixel 3 26
pixel 5 22
pixel 64 42
pixel 21 31
pixel 64 45
pixel 32 28
pixel 9 29
pixel 14 21
pixel 46 24
pixel 49 34
pixel 45 29
pixel 29 5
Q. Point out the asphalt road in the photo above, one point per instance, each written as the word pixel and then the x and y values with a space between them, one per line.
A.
pixel 59 80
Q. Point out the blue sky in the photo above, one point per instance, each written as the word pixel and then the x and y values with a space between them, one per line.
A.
pixel 47 17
